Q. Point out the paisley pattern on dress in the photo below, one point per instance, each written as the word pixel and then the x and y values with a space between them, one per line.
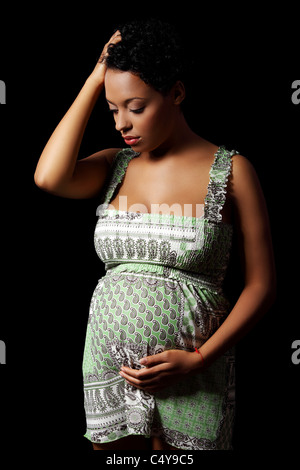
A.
pixel 162 290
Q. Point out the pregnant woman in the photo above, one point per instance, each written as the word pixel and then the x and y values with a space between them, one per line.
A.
pixel 158 363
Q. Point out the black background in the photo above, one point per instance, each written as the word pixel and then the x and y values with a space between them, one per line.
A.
pixel 239 95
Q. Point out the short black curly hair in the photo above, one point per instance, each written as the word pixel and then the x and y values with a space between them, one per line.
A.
pixel 150 49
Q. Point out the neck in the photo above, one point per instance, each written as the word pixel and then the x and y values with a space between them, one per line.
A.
pixel 181 137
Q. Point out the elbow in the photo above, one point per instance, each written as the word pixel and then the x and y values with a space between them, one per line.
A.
pixel 266 293
pixel 38 180
pixel 44 182
pixel 41 181
pixel 263 287
pixel 261 295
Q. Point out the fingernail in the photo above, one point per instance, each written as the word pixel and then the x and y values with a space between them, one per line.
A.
pixel 143 361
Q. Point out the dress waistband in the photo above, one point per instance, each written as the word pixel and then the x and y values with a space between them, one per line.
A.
pixel 165 273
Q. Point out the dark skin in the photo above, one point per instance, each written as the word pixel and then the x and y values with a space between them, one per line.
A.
pixel 143 181
pixel 153 178
pixel 168 148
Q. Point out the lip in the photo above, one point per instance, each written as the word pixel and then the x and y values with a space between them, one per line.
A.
pixel 130 139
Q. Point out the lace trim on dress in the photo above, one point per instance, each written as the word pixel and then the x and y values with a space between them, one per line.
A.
pixel 217 186
pixel 119 166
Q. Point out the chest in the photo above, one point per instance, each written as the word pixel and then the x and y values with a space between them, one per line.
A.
pixel 179 189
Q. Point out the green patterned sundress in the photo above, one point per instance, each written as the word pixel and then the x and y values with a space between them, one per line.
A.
pixel 162 290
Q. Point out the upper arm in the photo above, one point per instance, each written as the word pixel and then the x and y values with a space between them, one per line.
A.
pixel 88 177
pixel 252 223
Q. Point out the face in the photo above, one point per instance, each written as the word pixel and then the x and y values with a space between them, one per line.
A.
pixel 145 117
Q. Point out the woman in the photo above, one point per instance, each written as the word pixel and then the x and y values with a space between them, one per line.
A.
pixel 158 362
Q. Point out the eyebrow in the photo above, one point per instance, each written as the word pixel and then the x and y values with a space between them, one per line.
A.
pixel 128 100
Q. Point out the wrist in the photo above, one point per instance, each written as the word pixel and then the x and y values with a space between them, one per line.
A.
pixel 197 362
pixel 94 82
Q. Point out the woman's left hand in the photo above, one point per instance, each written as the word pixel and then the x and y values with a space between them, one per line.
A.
pixel 161 369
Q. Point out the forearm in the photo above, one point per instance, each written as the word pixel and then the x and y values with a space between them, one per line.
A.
pixel 252 304
pixel 60 154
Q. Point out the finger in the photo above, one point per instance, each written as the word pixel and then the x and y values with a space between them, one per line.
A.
pixel 150 386
pixel 159 358
pixel 146 373
pixel 141 374
pixel 116 37
pixel 142 384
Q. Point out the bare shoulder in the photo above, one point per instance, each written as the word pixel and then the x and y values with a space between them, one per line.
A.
pixel 247 194
pixel 243 176
pixel 110 154
pixel 241 164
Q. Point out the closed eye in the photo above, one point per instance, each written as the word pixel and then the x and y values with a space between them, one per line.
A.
pixel 137 111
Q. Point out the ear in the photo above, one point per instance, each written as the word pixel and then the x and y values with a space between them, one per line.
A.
pixel 178 92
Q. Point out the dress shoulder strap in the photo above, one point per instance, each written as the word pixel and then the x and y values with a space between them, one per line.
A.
pixel 115 176
pixel 217 186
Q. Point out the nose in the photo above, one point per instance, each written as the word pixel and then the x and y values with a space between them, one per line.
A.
pixel 122 121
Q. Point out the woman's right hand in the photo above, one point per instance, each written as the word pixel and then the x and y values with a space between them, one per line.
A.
pixel 99 71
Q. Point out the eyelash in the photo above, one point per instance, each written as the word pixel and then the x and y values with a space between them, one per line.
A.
pixel 135 111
